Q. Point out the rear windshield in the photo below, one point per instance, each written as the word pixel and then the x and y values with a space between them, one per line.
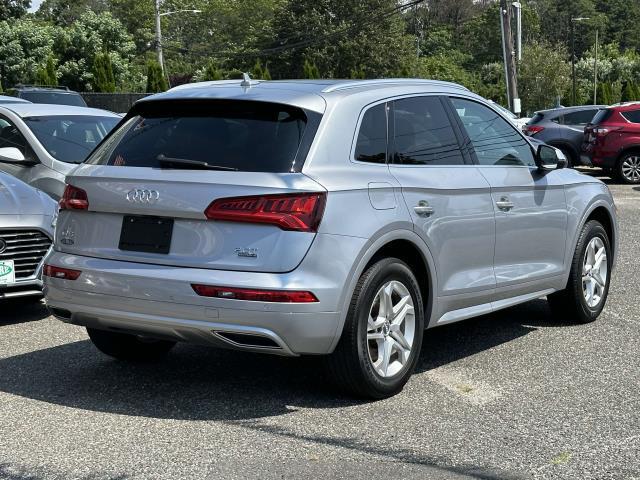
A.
pixel 70 138
pixel 601 116
pixel 227 135
pixel 73 99
pixel 535 119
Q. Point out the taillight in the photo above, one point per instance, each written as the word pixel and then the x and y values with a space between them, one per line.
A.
pixel 59 272
pixel 532 129
pixel 281 296
pixel 74 198
pixel 297 211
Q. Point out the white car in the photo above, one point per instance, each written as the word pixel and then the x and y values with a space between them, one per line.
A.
pixel 517 121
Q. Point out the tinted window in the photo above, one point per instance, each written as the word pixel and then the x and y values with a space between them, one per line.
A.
pixel 70 138
pixel 535 119
pixel 579 118
pixel 371 145
pixel 602 116
pixel 423 134
pixel 73 99
pixel 493 140
pixel 237 135
pixel 10 136
pixel 633 116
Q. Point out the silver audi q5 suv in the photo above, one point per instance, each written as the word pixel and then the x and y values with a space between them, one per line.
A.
pixel 337 218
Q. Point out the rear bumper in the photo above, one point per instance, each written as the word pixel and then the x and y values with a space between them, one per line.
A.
pixel 159 301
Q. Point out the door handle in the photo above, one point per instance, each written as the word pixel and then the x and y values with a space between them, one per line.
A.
pixel 505 204
pixel 423 209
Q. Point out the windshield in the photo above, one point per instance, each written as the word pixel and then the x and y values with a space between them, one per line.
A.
pixel 70 138
pixel 224 135
pixel 73 99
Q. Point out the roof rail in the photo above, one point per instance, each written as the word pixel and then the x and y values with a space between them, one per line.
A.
pixel 347 84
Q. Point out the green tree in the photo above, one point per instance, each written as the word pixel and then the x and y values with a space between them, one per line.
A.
pixel 544 75
pixel 103 78
pixel 47 75
pixel 79 45
pixel 260 72
pixel 339 36
pixel 65 12
pixel 211 72
pixel 357 73
pixel 13 8
pixel 310 70
pixel 156 81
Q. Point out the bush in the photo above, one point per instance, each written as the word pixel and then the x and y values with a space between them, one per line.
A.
pixel 156 81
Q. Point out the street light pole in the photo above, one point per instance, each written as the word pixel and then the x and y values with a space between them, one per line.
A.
pixel 595 72
pixel 573 53
pixel 158 4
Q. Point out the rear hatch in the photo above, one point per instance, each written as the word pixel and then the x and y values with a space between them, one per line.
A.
pixel 208 184
pixel 594 132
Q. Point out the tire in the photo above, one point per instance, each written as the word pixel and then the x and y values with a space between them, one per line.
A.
pixel 123 346
pixel 628 168
pixel 356 365
pixel 571 158
pixel 571 304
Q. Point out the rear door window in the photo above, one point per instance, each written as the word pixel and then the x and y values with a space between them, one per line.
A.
pixel 633 116
pixel 423 134
pixel 220 134
pixel 579 118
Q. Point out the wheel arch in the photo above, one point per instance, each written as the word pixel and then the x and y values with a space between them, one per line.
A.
pixel 634 147
pixel 405 245
pixel 562 144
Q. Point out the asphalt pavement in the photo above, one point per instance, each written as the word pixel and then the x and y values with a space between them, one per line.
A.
pixel 513 395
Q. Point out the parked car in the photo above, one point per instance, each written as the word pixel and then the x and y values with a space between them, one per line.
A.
pixel 563 128
pixel 4 99
pixel 337 218
pixel 27 218
pixel 519 122
pixel 612 141
pixel 41 144
pixel 50 95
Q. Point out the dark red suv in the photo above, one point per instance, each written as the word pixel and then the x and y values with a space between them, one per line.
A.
pixel 612 141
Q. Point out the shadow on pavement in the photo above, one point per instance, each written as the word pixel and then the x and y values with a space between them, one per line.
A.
pixel 200 383
pixel 22 310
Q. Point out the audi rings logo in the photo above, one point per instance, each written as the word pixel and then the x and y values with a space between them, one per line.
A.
pixel 3 245
pixel 143 196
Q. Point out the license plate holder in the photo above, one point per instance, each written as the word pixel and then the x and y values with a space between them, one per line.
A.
pixel 146 234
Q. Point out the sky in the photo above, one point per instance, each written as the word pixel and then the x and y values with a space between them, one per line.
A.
pixel 35 5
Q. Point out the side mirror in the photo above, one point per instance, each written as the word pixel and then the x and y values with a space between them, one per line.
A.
pixel 550 158
pixel 11 155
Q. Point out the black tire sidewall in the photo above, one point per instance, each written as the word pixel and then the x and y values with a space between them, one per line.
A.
pixel 386 270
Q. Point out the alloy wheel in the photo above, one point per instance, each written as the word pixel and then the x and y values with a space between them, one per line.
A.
pixel 391 329
pixel 631 168
pixel 595 271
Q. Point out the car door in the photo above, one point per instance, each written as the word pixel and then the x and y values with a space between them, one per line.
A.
pixel 530 205
pixel 449 201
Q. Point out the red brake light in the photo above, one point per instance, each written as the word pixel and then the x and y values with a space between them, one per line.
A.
pixel 59 272
pixel 74 198
pixel 532 129
pixel 281 296
pixel 298 211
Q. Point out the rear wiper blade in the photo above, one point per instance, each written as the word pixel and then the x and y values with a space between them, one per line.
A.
pixel 190 164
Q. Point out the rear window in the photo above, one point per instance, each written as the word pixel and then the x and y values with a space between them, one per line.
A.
pixel 602 116
pixel 633 116
pixel 581 117
pixel 227 135
pixel 535 119
pixel 73 99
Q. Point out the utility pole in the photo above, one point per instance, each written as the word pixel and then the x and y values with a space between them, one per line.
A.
pixel 595 73
pixel 509 54
pixel 159 36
